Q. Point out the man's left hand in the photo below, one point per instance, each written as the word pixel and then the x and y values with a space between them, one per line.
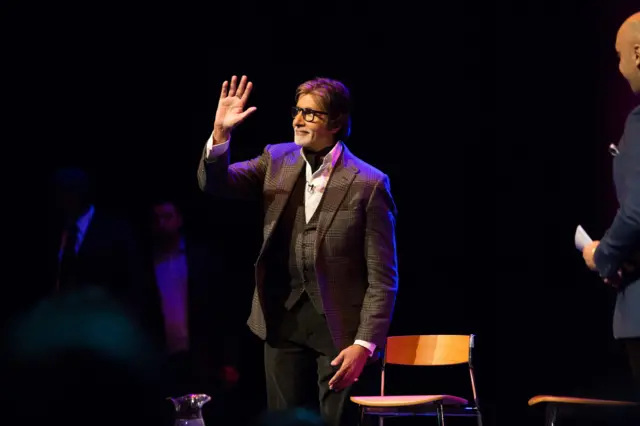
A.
pixel 588 252
pixel 351 360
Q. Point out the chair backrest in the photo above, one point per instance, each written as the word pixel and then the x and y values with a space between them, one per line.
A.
pixel 426 350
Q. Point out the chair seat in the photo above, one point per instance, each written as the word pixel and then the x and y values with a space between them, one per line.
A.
pixel 573 400
pixel 406 400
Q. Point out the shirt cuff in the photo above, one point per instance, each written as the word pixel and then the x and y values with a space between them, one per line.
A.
pixel 371 347
pixel 215 151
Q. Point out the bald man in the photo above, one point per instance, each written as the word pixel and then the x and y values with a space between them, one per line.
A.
pixel 616 257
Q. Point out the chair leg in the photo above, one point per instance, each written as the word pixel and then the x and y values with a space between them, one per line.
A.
pixel 479 418
pixel 551 415
pixel 361 415
pixel 440 415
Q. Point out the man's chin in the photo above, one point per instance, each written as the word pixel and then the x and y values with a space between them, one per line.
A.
pixel 301 142
pixel 635 85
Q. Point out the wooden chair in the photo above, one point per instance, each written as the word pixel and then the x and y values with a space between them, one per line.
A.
pixel 425 350
pixel 555 403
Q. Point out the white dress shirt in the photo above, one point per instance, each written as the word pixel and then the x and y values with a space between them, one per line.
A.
pixel 316 185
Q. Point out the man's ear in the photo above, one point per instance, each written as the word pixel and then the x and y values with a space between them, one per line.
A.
pixel 335 129
pixel 636 52
pixel 335 125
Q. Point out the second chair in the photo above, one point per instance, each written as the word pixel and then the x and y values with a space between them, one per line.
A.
pixel 424 350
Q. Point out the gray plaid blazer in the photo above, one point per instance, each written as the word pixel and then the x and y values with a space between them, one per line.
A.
pixel 355 250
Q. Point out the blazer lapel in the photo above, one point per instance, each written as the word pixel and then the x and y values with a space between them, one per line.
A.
pixel 341 178
pixel 291 168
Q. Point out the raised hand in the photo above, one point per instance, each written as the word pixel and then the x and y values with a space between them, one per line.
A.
pixel 231 112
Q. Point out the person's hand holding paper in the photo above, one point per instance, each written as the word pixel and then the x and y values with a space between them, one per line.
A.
pixel 586 245
pixel 582 239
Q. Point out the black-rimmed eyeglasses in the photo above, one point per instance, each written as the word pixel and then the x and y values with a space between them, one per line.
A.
pixel 308 114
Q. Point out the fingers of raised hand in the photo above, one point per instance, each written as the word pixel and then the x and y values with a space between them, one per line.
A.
pixel 233 86
pixel 240 89
pixel 247 91
pixel 242 86
pixel 223 91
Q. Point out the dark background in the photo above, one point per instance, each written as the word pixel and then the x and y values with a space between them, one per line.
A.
pixel 491 119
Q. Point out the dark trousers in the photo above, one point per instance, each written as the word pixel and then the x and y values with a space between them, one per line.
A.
pixel 632 348
pixel 298 368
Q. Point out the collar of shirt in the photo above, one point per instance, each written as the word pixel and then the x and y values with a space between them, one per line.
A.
pixel 329 160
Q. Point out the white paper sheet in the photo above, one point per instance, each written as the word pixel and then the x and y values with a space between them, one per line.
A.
pixel 581 238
